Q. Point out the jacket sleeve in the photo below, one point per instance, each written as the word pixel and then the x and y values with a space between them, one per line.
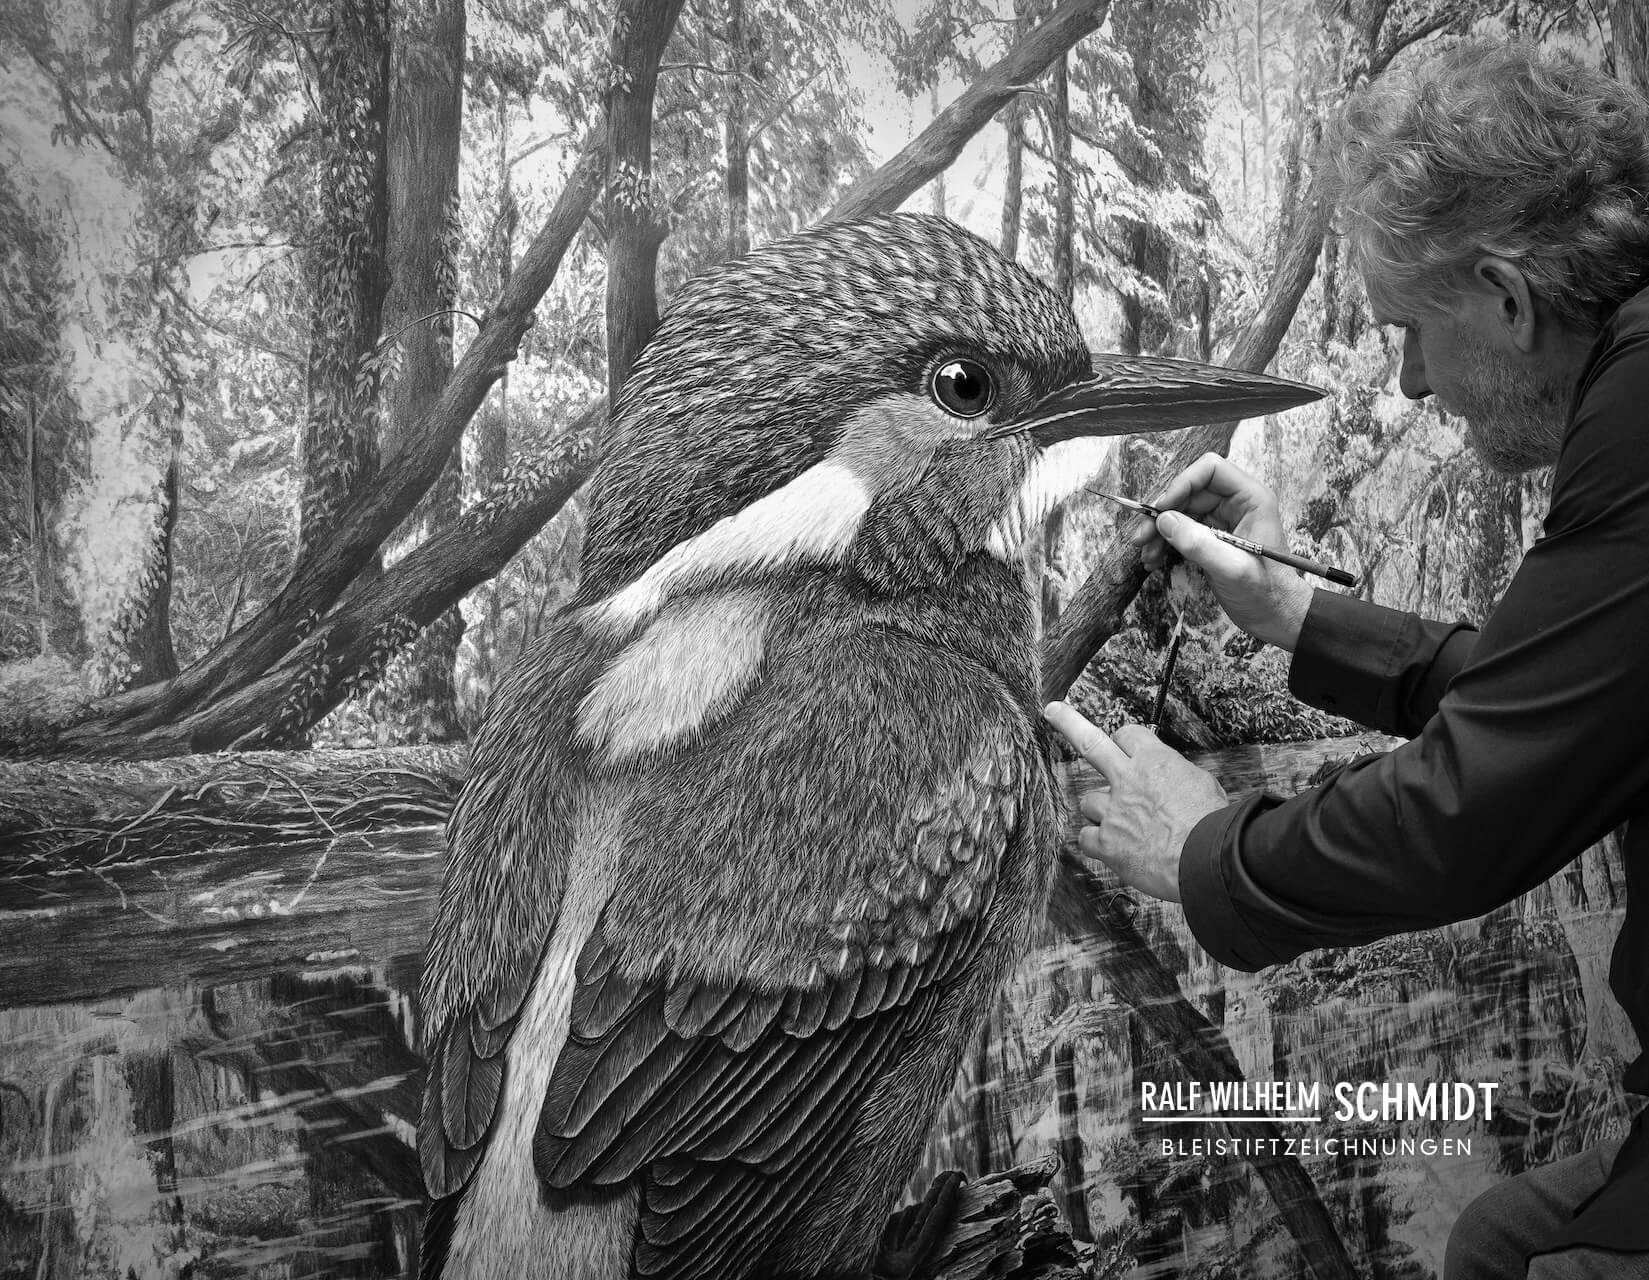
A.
pixel 1374 665
pixel 1530 743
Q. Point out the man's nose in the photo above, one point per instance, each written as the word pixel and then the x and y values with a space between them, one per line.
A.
pixel 1411 377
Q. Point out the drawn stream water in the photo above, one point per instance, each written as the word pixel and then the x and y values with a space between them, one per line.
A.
pixel 207 1069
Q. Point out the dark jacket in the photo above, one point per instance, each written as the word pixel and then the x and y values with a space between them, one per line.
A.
pixel 1529 742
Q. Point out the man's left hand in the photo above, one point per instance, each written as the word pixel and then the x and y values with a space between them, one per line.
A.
pixel 1138 827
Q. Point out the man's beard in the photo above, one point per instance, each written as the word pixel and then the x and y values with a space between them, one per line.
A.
pixel 1515 416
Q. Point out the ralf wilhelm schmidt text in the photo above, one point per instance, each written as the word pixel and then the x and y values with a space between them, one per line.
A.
pixel 1354 1100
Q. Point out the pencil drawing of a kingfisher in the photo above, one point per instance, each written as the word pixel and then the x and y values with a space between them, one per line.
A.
pixel 755 833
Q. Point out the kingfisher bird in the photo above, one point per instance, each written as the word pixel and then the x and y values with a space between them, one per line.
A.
pixel 754 834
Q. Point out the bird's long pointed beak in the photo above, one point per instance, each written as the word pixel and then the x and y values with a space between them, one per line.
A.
pixel 1127 394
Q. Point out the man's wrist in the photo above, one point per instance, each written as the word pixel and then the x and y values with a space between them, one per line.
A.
pixel 1293 602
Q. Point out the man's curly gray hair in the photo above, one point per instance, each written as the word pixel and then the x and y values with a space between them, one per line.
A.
pixel 1496 148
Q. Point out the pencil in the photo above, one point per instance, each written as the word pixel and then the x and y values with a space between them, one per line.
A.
pixel 1338 576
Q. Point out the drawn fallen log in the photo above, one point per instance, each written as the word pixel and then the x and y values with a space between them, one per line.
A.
pixel 59 815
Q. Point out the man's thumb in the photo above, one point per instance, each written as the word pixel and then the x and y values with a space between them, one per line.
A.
pixel 1192 540
pixel 1181 532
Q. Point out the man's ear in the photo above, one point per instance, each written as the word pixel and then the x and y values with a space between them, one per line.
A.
pixel 1511 304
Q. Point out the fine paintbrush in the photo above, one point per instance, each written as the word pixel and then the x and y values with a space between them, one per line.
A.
pixel 1339 576
pixel 1155 722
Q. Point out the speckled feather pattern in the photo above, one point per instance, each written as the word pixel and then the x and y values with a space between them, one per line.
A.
pixel 761 362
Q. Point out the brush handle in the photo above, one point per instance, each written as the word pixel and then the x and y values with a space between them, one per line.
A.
pixel 1155 722
pixel 1339 576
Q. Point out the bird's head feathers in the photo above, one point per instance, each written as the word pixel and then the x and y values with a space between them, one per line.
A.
pixel 891 394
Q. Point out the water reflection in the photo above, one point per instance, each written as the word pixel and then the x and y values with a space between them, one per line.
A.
pixel 207 1069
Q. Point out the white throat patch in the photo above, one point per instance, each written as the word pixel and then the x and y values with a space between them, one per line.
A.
pixel 1058 473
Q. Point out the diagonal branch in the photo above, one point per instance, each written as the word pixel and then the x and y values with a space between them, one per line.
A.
pixel 937 146
pixel 349 650
pixel 1095 612
pixel 323 574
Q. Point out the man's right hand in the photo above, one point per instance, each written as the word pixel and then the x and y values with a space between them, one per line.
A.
pixel 1265 599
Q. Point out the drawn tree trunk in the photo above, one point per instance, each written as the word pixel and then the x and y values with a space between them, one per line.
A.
pixel 1073 1167
pixel 416 699
pixel 1013 174
pixel 1160 300
pixel 349 272
pixel 992 1142
pixel 1261 101
pixel 151 1084
pixel 490 431
pixel 1059 142
pixel 1629 24
pixel 138 649
pixel 635 229
pixel 1588 897
pixel 1148 251
pixel 1064 284
pixel 137 646
pixel 37 518
pixel 1497 520
pixel 737 133
pixel 38 436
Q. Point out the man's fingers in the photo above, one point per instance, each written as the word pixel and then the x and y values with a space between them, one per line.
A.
pixel 1092 743
pixel 1199 475
pixel 1094 804
pixel 1133 738
pixel 1091 840
pixel 1202 548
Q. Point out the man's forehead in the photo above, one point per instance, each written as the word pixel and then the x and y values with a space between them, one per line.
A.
pixel 1388 305
pixel 1393 303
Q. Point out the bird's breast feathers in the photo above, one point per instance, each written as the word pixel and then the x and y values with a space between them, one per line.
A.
pixel 791 827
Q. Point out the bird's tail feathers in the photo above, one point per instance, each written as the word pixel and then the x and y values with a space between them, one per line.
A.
pixel 439 1220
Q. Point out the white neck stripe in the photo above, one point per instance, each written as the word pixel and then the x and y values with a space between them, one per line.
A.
pixel 813 518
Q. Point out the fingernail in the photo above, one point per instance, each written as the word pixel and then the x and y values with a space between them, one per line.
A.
pixel 1168 524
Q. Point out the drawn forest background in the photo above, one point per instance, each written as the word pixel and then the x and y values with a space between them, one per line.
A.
pixel 309 318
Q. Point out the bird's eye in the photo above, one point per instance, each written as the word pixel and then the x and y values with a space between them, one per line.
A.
pixel 963 387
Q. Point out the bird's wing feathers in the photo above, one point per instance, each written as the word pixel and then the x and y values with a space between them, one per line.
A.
pixel 724 1066
pixel 731 1099
pixel 466 1062
pixel 509 840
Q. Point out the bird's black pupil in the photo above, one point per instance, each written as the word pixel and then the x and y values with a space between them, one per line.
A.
pixel 962 387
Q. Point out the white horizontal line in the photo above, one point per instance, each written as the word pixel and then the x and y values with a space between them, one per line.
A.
pixel 1232 1119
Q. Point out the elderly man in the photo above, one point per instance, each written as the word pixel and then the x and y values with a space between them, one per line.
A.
pixel 1497 202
